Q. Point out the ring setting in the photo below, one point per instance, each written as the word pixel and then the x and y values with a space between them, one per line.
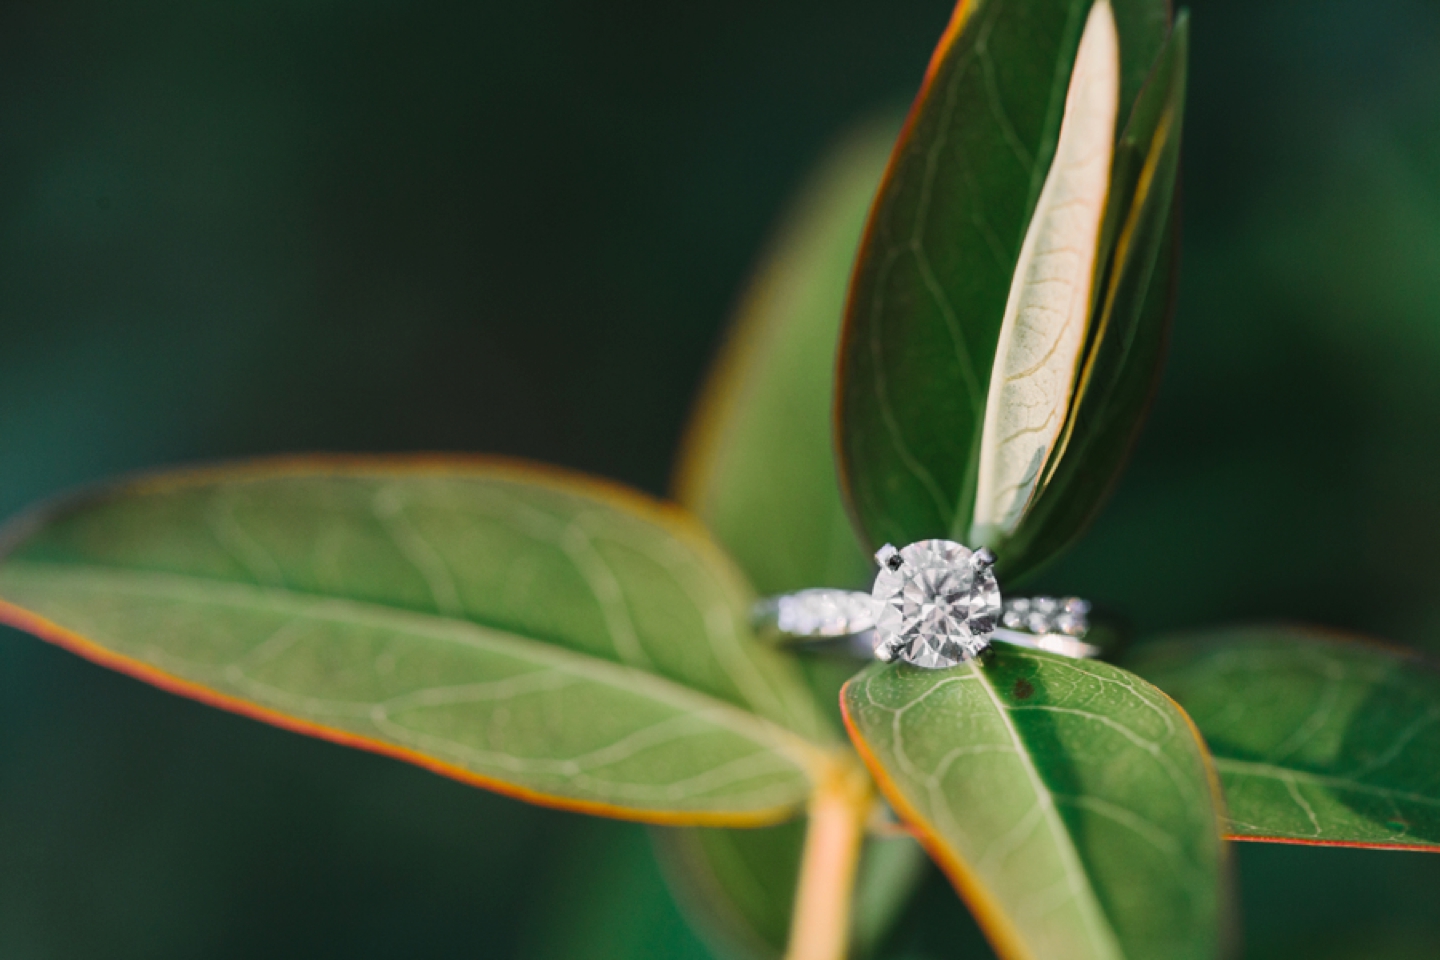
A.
pixel 934 604
pixel 937 603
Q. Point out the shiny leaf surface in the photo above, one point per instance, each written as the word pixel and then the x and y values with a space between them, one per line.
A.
pixel 941 247
pixel 560 640
pixel 1318 739
pixel 1071 803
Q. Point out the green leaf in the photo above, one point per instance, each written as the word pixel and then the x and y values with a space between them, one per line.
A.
pixel 738 886
pixel 552 638
pixel 1122 366
pixel 757 464
pixel 935 270
pixel 1318 739
pixel 1071 803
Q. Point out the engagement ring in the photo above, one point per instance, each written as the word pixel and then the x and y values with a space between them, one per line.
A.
pixel 935 603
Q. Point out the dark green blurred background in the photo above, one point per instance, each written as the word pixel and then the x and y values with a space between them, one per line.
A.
pixel 230 229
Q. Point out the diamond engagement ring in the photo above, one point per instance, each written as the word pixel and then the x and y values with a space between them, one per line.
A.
pixel 935 603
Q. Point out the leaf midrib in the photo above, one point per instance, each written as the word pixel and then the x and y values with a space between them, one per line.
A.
pixel 809 757
pixel 1086 897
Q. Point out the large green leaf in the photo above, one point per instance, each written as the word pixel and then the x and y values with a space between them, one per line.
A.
pixel 739 885
pixel 1071 803
pixel 1318 739
pixel 758 466
pixel 556 639
pixel 1122 366
pixel 935 269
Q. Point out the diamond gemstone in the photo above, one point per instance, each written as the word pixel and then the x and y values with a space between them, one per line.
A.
pixel 935 609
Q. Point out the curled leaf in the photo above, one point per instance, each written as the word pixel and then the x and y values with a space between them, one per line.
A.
pixel 1037 356
pixel 1122 363
pixel 932 288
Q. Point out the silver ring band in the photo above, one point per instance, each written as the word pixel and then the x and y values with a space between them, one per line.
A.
pixel 1056 625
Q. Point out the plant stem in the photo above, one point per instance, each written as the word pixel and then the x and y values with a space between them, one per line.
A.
pixel 820 924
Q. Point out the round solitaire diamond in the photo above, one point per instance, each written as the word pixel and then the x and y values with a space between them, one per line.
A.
pixel 935 607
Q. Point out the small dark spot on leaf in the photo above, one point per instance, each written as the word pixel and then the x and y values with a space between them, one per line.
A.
pixel 1023 690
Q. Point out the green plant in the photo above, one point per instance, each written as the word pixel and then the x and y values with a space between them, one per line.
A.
pixel 577 645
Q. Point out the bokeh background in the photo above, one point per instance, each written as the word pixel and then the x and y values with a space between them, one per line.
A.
pixel 230 229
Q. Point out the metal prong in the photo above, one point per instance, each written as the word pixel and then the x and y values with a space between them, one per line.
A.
pixel 887 555
pixel 982 558
pixel 885 653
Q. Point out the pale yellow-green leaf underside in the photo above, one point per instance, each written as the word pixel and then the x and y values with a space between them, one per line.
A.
pixel 1048 309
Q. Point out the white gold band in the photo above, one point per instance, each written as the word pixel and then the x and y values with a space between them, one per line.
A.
pixel 1060 643
pixel 1056 625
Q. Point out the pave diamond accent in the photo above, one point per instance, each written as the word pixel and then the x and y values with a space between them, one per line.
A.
pixel 825 613
pixel 936 607
pixel 1039 615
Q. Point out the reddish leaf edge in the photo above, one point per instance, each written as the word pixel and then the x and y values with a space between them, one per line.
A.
pixel 1349 844
pixel 908 829
pixel 958 19
pixel 22 619
pixel 671 515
